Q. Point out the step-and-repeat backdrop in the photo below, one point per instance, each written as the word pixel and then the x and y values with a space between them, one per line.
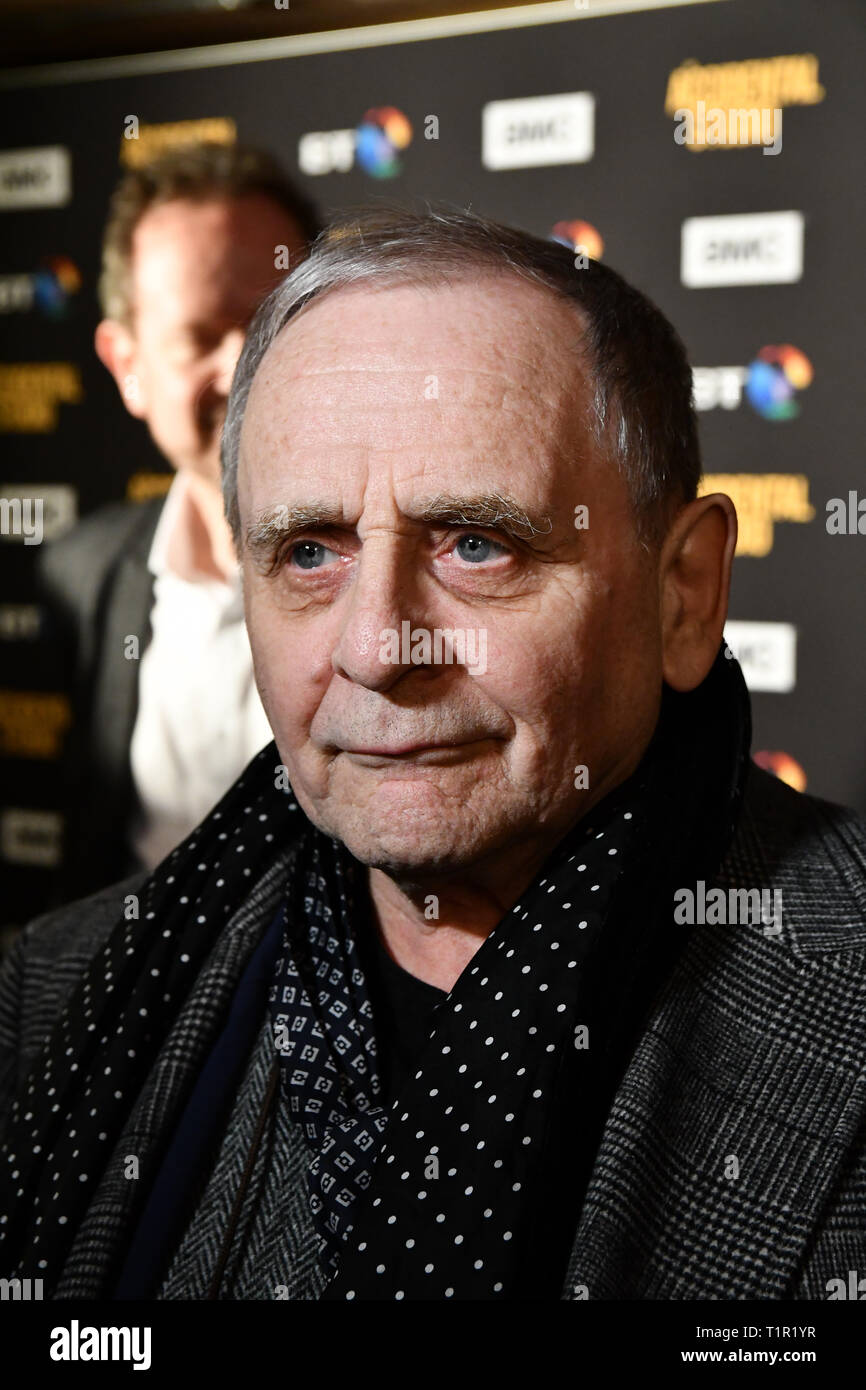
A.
pixel 710 152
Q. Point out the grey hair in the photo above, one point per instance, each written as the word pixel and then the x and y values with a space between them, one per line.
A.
pixel 643 413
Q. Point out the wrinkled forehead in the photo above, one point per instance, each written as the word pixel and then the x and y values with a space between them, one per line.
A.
pixel 494 367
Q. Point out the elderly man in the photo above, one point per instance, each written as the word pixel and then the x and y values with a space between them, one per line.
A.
pixel 502 974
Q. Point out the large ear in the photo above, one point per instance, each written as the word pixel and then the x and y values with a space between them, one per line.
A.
pixel 116 349
pixel 695 579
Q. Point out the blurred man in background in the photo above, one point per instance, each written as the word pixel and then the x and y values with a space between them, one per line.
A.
pixel 145 599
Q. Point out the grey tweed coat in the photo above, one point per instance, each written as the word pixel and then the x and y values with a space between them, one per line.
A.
pixel 733 1161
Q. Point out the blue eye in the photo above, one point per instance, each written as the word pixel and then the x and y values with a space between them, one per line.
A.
pixel 476 549
pixel 309 555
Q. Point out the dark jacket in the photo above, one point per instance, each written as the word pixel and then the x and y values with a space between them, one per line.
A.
pixel 732 1164
pixel 97 591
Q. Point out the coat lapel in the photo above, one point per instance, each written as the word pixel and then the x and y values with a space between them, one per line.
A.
pixel 104 1235
pixel 116 703
pixel 739 1106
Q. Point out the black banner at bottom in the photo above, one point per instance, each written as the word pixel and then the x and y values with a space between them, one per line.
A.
pixel 229 1340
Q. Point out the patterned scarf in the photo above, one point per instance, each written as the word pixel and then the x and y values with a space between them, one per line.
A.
pixel 436 1195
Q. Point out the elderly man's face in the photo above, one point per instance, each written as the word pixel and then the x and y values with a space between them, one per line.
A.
pixel 383 427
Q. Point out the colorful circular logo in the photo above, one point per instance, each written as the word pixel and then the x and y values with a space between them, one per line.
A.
pixel 53 283
pixel 579 234
pixel 783 766
pixel 774 379
pixel 382 133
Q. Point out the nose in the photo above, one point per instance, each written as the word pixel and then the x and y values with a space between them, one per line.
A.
pixel 226 360
pixel 382 598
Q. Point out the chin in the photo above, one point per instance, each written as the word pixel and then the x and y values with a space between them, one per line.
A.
pixel 409 836
pixel 420 840
pixel 424 823
pixel 408 857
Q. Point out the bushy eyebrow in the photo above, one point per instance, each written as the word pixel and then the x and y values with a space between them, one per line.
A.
pixel 490 509
pixel 278 526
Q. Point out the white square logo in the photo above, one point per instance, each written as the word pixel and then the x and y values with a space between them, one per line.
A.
pixel 767 653
pixel 36 178
pixel 749 248
pixel 536 131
